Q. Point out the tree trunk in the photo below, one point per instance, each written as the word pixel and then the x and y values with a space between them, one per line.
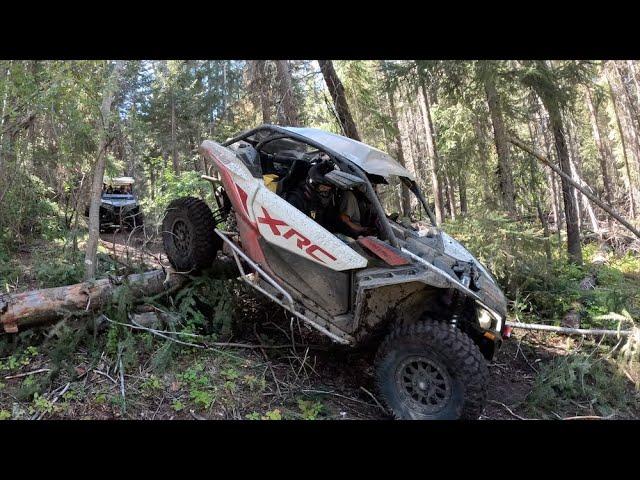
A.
pixel 174 150
pixel 574 247
pixel 550 102
pixel 19 311
pixel 605 158
pixel 4 74
pixel 336 89
pixel 259 87
pixel 505 170
pixel 405 194
pixel 483 157
pixel 533 184
pixel 432 150
pixel 451 195
pixel 287 109
pixel 632 73
pixel 96 189
pixel 623 144
pixel 462 191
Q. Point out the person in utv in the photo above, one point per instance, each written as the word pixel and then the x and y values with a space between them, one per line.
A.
pixel 315 197
pixel 354 218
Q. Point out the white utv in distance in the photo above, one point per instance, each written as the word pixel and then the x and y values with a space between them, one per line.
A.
pixel 119 207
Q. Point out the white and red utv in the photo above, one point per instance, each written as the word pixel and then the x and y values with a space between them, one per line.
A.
pixel 434 310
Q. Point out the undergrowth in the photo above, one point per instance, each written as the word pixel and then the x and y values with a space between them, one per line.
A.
pixel 542 288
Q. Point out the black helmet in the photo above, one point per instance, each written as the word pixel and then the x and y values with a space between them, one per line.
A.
pixel 316 180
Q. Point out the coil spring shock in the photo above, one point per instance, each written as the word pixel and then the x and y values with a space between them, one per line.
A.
pixel 458 302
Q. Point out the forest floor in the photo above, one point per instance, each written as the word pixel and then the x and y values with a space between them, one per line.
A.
pixel 298 375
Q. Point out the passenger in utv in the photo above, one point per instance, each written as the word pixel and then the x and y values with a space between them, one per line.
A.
pixel 315 197
pixel 352 217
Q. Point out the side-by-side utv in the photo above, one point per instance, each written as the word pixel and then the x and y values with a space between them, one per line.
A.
pixel 436 313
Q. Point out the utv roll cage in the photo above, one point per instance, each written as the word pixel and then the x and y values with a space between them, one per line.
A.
pixel 345 164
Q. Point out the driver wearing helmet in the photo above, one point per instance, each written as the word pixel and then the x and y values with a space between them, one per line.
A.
pixel 315 197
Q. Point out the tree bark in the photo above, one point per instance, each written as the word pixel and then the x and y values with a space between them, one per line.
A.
pixel 483 157
pixel 605 157
pixel 336 89
pixel 432 150
pixel 174 150
pixel 505 169
pixel 549 99
pixel 533 184
pixel 259 87
pixel 405 194
pixel 451 195
pixel 19 311
pixel 623 144
pixel 96 189
pixel 287 113
pixel 462 192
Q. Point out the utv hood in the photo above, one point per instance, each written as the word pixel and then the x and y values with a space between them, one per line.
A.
pixel 451 258
pixel 119 200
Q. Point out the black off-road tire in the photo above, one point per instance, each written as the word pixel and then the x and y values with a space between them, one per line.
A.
pixel 455 371
pixel 188 235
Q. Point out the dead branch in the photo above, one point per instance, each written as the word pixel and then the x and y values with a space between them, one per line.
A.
pixel 607 208
pixel 569 331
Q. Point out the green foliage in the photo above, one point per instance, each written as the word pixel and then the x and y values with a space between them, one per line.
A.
pixel 272 415
pixel 543 288
pixel 43 406
pixel 151 385
pixel 578 380
pixel 201 390
pixel 5 415
pixel 207 303
pixel 28 211
pixel 310 409
pixel 63 270
pixel 171 186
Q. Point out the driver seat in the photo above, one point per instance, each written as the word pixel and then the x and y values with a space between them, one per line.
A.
pixel 297 173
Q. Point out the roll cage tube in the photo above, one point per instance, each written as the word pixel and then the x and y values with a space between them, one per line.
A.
pixel 413 187
pixel 342 162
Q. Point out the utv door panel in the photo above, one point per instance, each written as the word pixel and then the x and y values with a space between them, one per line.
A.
pixel 328 288
pixel 283 225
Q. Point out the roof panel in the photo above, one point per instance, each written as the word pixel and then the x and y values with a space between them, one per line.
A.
pixel 370 159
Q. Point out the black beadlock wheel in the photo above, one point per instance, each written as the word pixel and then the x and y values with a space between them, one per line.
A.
pixel 431 371
pixel 188 235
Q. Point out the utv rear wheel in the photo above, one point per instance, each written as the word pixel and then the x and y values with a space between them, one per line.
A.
pixel 431 371
pixel 188 234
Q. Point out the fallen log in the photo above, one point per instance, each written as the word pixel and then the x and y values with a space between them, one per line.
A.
pixel 570 331
pixel 19 311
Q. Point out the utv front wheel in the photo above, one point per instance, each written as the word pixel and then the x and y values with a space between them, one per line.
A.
pixel 188 235
pixel 431 371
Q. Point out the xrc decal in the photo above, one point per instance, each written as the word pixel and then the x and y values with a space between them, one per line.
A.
pixel 302 242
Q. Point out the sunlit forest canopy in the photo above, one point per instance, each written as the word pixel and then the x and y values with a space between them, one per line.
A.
pixel 449 122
